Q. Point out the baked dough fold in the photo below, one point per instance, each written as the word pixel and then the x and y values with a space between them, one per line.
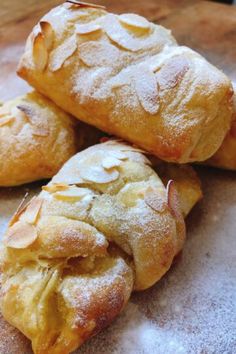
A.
pixel 128 77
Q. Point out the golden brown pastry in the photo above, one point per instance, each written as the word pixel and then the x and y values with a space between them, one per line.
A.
pixel 186 181
pixel 225 157
pixel 104 226
pixel 129 78
pixel 36 139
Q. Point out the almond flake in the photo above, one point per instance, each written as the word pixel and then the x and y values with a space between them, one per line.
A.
pixel 6 120
pixel 110 162
pixel 134 20
pixel 172 72
pixel 154 200
pixel 62 53
pixel 19 210
pixel 73 194
pixel 85 4
pixel 31 213
pixel 90 169
pixel 147 90
pixel 173 199
pixel 48 33
pixel 20 235
pixel 40 127
pixel 118 34
pixel 55 187
pixel 87 28
pixel 40 53
pixel 94 53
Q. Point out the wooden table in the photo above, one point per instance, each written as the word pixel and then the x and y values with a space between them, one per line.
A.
pixel 192 309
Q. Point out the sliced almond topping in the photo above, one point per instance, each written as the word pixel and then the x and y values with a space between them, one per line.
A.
pixel 73 194
pixel 91 169
pixel 118 154
pixel 172 72
pixel 110 162
pixel 40 127
pixel 154 200
pixel 31 213
pixel 147 90
pixel 87 28
pixel 22 206
pixel 48 33
pixel 62 53
pixel 20 235
pixel 134 20
pixel 173 200
pixel 85 4
pixel 40 53
pixel 94 53
pixel 6 120
pixel 118 34
pixel 97 174
pixel 55 187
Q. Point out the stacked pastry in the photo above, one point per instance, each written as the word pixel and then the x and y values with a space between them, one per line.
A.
pixel 111 221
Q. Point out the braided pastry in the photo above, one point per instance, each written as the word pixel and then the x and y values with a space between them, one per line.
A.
pixel 104 226
pixel 128 77
pixel 37 138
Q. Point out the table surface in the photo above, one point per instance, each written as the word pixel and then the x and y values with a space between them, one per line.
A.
pixel 192 309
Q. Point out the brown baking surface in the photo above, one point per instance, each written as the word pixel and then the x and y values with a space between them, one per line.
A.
pixel 192 309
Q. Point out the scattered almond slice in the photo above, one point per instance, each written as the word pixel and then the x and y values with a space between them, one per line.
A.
pixel 94 53
pixel 31 213
pixel 97 174
pixel 40 127
pixel 110 162
pixel 20 235
pixel 172 72
pixel 173 200
pixel 87 28
pixel 147 90
pixel 73 194
pixel 154 200
pixel 40 53
pixel 55 187
pixel 62 53
pixel 118 154
pixel 48 33
pixel 118 34
pixel 19 210
pixel 85 4
pixel 6 120
pixel 134 20
pixel 91 169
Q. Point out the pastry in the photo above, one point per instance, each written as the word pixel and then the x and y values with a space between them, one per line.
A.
pixel 128 77
pixel 104 226
pixel 225 157
pixel 36 138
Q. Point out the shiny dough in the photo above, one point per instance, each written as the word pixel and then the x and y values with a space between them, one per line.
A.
pixel 129 78
pixel 37 138
pixel 104 226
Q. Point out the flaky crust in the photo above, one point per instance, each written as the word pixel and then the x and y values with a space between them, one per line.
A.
pixel 36 138
pixel 104 226
pixel 225 157
pixel 129 78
